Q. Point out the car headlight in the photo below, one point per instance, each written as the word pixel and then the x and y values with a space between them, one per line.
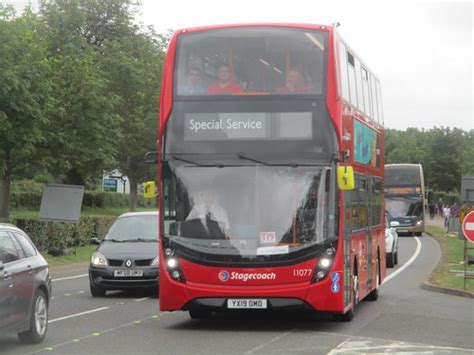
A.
pixel 156 261
pixel 98 259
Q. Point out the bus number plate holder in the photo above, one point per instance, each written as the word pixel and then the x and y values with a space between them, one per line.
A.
pixel 246 303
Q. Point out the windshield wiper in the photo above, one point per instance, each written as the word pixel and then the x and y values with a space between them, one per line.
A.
pixel 293 165
pixel 244 157
pixel 197 164
pixel 113 240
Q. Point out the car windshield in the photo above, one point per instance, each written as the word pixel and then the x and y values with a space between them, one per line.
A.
pixel 248 211
pixel 130 228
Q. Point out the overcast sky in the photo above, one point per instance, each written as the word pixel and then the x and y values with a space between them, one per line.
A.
pixel 420 50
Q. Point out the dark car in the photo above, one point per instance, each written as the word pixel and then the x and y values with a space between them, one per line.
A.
pixel 25 286
pixel 127 258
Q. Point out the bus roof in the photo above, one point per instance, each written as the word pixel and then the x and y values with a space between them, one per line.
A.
pixel 288 25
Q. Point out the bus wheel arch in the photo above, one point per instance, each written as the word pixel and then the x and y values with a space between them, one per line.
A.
pixel 374 294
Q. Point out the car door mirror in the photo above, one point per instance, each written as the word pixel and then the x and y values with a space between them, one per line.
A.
pixel 394 224
pixel 96 241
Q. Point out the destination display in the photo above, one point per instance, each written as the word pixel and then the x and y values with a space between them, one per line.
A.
pixel 248 125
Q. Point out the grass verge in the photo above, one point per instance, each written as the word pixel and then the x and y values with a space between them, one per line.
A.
pixel 83 255
pixel 452 259
pixel 88 212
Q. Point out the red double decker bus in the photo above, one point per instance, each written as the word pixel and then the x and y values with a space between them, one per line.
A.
pixel 270 165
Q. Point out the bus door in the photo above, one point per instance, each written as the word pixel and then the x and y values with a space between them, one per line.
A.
pixel 365 221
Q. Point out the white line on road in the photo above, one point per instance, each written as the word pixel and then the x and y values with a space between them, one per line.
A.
pixel 407 264
pixel 142 299
pixel 70 277
pixel 78 314
pixel 271 341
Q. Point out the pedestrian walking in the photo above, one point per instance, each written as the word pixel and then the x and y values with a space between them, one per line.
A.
pixel 447 214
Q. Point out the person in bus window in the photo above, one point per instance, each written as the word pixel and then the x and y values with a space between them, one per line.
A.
pixel 294 83
pixel 193 84
pixel 207 209
pixel 225 83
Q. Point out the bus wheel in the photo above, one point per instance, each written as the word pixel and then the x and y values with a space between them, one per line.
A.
pixel 374 295
pixel 395 258
pixel 349 315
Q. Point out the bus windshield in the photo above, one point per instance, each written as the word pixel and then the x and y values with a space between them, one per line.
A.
pixel 252 60
pixel 249 212
pixel 400 206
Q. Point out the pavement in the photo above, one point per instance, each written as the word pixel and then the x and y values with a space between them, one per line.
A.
pixel 427 285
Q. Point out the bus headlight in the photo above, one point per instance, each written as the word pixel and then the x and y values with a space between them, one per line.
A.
pixel 418 223
pixel 324 263
pixel 172 263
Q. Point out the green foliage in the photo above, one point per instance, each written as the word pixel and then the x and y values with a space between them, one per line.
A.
pixel 47 235
pixel 445 154
pixel 24 93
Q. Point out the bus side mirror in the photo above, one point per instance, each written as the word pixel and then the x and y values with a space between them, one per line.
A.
pixel 345 178
pixel 149 189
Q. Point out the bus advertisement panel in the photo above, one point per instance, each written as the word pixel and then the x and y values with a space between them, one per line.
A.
pixel 255 130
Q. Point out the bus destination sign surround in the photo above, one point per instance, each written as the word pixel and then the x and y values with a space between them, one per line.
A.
pixel 247 125
pixel 209 127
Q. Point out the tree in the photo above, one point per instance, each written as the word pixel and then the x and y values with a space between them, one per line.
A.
pixel 134 68
pixel 86 126
pixel 24 93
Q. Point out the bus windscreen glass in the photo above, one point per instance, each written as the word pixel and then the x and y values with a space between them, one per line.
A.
pixel 255 61
pixel 248 212
pixel 399 206
pixel 402 176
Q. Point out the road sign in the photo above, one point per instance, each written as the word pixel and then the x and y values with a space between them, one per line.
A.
pixel 468 226
pixel 110 185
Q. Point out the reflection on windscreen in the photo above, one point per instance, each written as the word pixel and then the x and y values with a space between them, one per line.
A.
pixel 125 228
pixel 247 211
pixel 404 206
pixel 251 60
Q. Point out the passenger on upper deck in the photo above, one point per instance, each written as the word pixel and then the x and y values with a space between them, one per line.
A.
pixel 193 84
pixel 294 83
pixel 225 84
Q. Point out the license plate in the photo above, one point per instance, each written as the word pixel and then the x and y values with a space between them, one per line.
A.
pixel 241 303
pixel 402 231
pixel 128 273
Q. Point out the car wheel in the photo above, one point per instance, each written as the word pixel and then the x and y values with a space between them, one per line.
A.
pixel 390 259
pixel 199 313
pixel 38 320
pixel 97 291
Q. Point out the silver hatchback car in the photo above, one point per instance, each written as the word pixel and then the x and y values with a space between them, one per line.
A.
pixel 25 286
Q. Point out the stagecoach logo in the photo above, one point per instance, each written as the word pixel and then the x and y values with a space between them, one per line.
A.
pixel 224 275
pixel 128 263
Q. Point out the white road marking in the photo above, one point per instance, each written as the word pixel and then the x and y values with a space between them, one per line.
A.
pixel 69 277
pixel 358 345
pixel 142 299
pixel 407 264
pixel 78 314
pixel 271 341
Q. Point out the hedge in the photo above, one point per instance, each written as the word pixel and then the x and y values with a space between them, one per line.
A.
pixel 32 200
pixel 49 235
